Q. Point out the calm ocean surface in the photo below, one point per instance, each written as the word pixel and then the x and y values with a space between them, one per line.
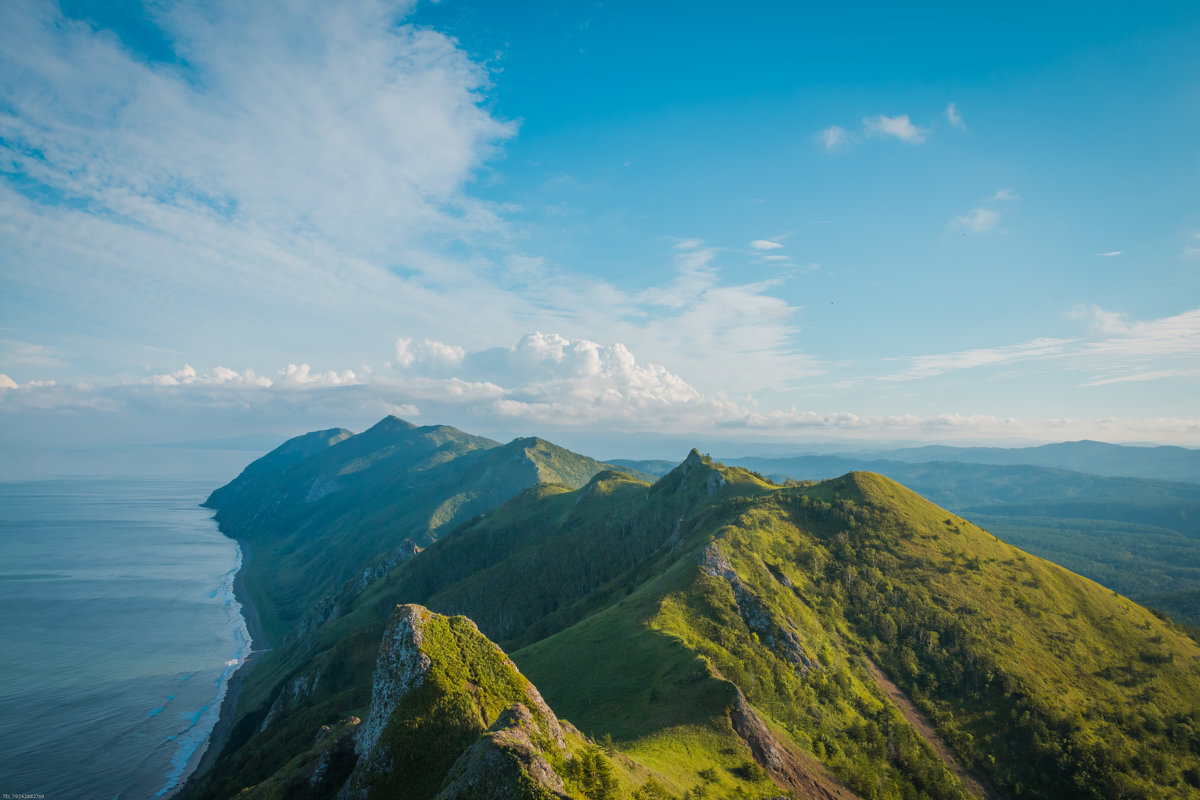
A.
pixel 118 627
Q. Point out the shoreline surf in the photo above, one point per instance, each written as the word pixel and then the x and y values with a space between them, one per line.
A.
pixel 233 688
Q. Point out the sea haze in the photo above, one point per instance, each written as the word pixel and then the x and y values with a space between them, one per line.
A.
pixel 119 632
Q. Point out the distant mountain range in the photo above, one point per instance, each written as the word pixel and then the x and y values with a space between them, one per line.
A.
pixel 1097 458
pixel 710 634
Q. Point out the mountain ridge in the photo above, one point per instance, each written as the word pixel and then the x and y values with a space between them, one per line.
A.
pixel 643 612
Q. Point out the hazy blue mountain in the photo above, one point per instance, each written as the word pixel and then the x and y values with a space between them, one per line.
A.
pixel 330 508
pixel 1098 458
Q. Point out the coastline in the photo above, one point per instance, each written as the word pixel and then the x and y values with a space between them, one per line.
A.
pixel 258 643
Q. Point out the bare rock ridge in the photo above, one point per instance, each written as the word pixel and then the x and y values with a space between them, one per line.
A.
pixel 787 767
pixel 776 634
pixel 450 712
pixel 450 717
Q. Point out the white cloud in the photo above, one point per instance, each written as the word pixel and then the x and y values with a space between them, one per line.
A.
pixel 29 355
pixel 954 117
pixel 765 244
pixel 833 138
pixel 931 365
pixel 432 355
pixel 559 384
pixel 982 219
pixel 550 376
pixel 1111 253
pixel 1151 375
pixel 1156 338
pixel 1192 250
pixel 1118 350
pixel 293 166
pixel 369 124
pixel 899 127
pixel 405 410
pixel 295 199
pixel 303 376
pixel 187 376
pixel 977 220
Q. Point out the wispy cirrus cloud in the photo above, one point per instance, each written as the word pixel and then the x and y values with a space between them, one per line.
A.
pixel 1178 334
pixel 282 184
pixel 26 354
pixel 1116 349
pixel 1192 248
pixel 931 365
pixel 1150 375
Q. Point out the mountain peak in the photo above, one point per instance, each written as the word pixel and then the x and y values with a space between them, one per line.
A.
pixel 391 423
pixel 444 690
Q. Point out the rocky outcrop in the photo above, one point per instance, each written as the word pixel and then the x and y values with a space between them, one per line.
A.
pixel 788 767
pixel 508 761
pixel 400 669
pixel 777 634
pixel 451 711
pixel 293 694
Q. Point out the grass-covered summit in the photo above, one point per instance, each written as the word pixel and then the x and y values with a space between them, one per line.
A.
pixel 721 636
pixel 450 717
pixel 332 507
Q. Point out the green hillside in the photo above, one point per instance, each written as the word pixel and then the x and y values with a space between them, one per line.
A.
pixel 721 636
pixel 330 508
pixel 1136 535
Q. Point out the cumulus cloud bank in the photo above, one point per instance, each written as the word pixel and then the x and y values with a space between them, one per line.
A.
pixel 544 375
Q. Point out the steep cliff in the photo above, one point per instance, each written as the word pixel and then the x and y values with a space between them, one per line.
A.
pixel 450 716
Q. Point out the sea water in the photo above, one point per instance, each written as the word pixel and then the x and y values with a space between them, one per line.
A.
pixel 118 632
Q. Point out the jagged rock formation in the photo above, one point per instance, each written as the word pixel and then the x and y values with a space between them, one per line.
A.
pixel 450 716
pixel 506 763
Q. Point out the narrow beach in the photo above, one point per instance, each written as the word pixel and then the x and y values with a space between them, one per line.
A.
pixel 259 645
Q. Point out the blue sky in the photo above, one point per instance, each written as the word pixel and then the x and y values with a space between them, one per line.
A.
pixel 789 223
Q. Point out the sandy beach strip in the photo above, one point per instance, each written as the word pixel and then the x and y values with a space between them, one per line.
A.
pixel 259 645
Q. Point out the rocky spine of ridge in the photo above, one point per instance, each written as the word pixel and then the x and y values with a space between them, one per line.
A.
pixel 420 657
pixel 722 630
pixel 450 717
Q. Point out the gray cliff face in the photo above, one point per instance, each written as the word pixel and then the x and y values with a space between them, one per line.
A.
pixel 401 667
pixel 503 760
pixel 493 767
pixel 293 695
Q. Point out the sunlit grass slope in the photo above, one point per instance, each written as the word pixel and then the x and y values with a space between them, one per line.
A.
pixel 709 618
